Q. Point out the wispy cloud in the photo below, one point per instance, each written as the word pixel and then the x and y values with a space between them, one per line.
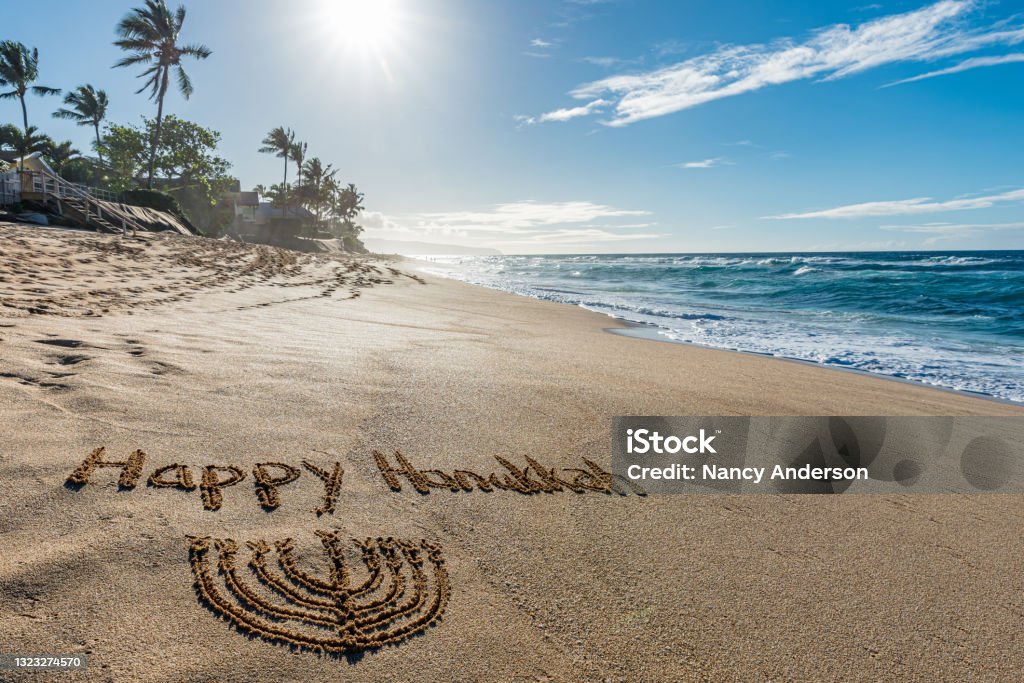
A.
pixel 947 232
pixel 526 216
pixel 668 48
pixel 962 228
pixel 878 245
pixel 582 237
pixel 907 207
pixel 705 163
pixel 539 42
pixel 938 30
pixel 522 224
pixel 564 114
pixel 966 65
pixel 606 62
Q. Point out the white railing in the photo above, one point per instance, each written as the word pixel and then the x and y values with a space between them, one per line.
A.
pixel 10 188
pixel 49 184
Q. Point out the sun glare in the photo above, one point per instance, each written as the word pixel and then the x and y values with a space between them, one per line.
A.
pixel 367 25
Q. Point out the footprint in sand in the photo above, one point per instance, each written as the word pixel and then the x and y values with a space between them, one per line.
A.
pixel 66 343
pixel 73 359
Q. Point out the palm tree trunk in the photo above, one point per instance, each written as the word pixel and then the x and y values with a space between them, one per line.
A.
pixel 159 124
pixel 24 113
pixel 284 186
pixel 99 143
pixel 24 118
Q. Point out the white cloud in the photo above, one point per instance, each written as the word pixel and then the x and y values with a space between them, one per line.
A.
pixel 907 207
pixel 669 47
pixel 571 113
pixel 375 220
pixel 583 237
pixel 949 228
pixel 966 65
pixel 524 216
pixel 523 224
pixel 880 245
pixel 932 32
pixel 606 62
pixel 706 163
pixel 539 42
pixel 949 232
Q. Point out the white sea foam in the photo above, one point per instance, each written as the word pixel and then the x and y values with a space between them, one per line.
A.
pixel 911 325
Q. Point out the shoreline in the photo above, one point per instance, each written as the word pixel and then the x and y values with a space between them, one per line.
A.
pixel 653 332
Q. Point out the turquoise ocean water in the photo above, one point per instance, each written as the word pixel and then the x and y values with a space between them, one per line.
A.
pixel 948 319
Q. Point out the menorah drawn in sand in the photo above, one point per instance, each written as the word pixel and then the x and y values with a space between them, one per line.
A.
pixel 403 591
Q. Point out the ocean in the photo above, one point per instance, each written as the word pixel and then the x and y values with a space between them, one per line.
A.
pixel 947 319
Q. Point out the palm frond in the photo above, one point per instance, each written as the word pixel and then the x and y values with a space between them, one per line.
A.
pixel 134 59
pixel 197 51
pixel 70 115
pixel 184 83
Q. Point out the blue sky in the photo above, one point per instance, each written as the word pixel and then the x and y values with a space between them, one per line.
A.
pixel 604 126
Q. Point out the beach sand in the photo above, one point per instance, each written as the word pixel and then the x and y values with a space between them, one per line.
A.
pixel 210 353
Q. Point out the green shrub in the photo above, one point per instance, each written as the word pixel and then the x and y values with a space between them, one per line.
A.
pixel 153 199
pixel 353 245
pixel 161 201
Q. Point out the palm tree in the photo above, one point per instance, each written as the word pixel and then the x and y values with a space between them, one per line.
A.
pixel 280 142
pixel 24 143
pixel 59 154
pixel 346 203
pixel 261 190
pixel 317 177
pixel 87 107
pixel 19 69
pixel 275 194
pixel 299 157
pixel 150 34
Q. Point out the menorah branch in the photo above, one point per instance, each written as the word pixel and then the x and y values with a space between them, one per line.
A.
pixel 388 599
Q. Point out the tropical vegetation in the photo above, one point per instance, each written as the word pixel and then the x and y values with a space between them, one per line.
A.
pixel 86 106
pixel 150 34
pixel 167 161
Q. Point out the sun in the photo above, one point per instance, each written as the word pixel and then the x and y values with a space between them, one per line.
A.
pixel 363 25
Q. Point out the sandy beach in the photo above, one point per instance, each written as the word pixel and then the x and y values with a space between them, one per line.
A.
pixel 209 353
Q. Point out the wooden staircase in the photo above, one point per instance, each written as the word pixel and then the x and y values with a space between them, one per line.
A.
pixel 103 216
pixel 93 218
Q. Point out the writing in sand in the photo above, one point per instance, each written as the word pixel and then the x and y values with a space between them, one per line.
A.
pixel 269 477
